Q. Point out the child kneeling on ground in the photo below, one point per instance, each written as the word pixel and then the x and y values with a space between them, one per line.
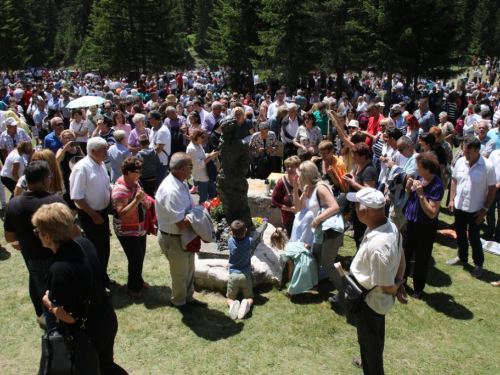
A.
pixel 240 271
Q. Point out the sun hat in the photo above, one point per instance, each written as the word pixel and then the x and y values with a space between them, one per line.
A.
pixel 353 124
pixel 368 197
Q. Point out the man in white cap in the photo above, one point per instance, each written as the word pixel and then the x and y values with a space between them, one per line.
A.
pixel 379 264
pixel 10 138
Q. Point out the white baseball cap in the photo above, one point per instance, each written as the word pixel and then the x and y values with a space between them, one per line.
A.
pixel 11 122
pixel 368 197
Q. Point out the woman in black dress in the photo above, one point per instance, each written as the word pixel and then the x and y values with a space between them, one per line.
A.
pixel 76 275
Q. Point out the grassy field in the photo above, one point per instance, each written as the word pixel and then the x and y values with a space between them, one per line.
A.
pixel 452 330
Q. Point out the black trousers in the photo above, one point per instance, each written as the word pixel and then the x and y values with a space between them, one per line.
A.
pixel 10 184
pixel 359 228
pixel 102 332
pixel 420 241
pixel 148 184
pixel 97 234
pixel 135 250
pixel 371 338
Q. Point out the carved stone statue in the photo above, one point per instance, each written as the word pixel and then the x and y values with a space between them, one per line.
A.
pixel 232 184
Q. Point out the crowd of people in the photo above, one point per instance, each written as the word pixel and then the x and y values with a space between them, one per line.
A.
pixel 380 160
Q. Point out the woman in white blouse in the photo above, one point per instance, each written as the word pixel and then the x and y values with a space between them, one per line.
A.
pixel 308 135
pixel 14 165
pixel 206 187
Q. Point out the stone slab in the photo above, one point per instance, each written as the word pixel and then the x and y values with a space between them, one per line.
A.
pixel 260 203
pixel 268 268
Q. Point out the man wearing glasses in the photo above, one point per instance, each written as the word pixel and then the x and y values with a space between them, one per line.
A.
pixel 173 202
pixel 53 141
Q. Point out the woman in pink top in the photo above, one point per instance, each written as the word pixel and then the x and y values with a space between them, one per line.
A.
pixel 120 124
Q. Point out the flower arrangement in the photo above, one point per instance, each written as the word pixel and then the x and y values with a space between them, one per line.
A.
pixel 216 209
pixel 258 221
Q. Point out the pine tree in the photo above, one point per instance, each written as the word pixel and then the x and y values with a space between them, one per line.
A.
pixel 202 20
pixel 287 43
pixel 14 44
pixel 483 27
pixel 233 37
pixel 134 35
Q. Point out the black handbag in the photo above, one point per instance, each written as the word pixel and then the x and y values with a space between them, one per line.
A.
pixel 352 294
pixel 455 141
pixel 65 353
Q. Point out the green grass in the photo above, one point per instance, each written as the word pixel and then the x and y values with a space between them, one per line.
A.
pixel 453 330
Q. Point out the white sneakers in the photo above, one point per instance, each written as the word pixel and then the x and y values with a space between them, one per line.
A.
pixel 244 309
pixel 233 309
pixel 238 310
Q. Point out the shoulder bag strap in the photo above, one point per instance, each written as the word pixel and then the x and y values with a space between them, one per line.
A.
pixel 287 190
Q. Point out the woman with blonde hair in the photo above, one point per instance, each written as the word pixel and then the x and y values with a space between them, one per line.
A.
pixel 75 285
pixel 56 184
pixel 318 197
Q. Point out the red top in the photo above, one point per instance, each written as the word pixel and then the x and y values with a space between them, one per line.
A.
pixel 373 128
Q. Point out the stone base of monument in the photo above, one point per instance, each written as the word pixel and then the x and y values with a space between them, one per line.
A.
pixel 268 268
pixel 260 203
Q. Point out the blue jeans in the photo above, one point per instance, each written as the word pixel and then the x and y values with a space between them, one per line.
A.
pixel 206 190
pixel 466 221
pixel 38 271
pixel 161 173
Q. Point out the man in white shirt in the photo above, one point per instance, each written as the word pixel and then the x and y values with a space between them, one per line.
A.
pixel 472 120
pixel 272 111
pixel 379 265
pixel 91 191
pixel 173 202
pixel 473 190
pixel 161 140
pixel 362 105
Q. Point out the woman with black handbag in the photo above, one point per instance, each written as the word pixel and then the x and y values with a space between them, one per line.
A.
pixel 76 296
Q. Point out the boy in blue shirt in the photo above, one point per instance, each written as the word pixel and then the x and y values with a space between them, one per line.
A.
pixel 240 271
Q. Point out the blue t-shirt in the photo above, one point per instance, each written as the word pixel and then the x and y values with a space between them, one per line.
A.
pixel 239 255
pixel 434 190
pixel 52 142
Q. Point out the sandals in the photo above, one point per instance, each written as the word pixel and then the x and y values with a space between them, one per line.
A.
pixel 334 298
pixel 495 283
pixel 357 362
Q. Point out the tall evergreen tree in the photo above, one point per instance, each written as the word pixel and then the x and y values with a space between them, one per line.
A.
pixel 154 45
pixel 233 37
pixel 483 26
pixel 287 43
pixel 426 44
pixel 13 45
pixel 202 20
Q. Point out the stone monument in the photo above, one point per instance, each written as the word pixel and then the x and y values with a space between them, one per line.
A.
pixel 232 184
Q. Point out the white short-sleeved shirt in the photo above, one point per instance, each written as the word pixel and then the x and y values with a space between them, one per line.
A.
pixel 472 183
pixel 172 202
pixel 198 157
pixel 78 127
pixel 13 158
pixel 376 264
pixel 90 181
pixel 161 136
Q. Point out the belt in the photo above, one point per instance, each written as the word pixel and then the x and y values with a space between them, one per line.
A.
pixel 170 234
